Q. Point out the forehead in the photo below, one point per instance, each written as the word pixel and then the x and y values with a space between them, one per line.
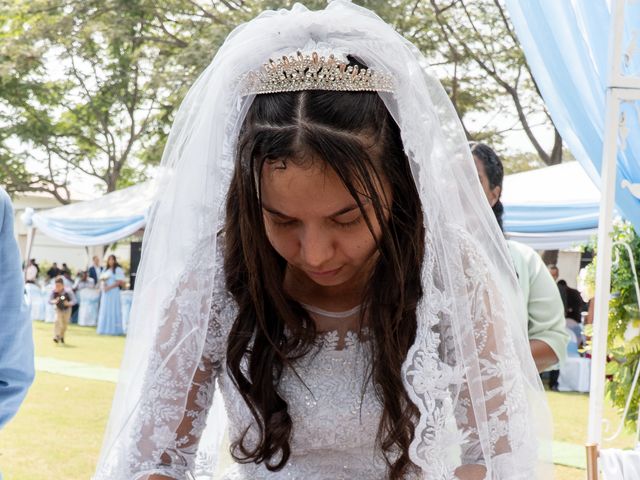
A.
pixel 479 166
pixel 308 189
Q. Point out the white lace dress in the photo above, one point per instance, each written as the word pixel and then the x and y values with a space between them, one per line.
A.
pixel 334 411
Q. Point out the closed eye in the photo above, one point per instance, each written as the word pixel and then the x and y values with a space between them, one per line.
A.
pixel 350 223
pixel 284 223
pixel 276 218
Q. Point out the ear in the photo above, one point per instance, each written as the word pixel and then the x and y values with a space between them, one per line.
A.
pixel 494 195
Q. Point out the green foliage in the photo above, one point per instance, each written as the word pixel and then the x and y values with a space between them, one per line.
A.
pixel 485 70
pixel 521 162
pixel 91 88
pixel 623 340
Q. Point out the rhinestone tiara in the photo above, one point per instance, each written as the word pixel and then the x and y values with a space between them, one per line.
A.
pixel 313 72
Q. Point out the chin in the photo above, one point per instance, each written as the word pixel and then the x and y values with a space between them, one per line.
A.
pixel 327 282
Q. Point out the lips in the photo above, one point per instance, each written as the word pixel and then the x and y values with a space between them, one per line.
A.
pixel 325 273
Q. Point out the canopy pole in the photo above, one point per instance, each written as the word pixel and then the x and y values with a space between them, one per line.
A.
pixel 603 266
pixel 603 276
pixel 27 251
pixel 592 462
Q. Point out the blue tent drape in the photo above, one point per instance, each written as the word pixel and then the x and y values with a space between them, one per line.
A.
pixel 104 220
pixel 566 46
pixel 555 199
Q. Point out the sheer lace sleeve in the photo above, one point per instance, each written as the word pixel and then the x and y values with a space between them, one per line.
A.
pixel 495 404
pixel 178 449
pixel 502 417
pixel 479 401
pixel 180 458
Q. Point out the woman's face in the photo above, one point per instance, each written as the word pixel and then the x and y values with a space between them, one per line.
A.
pixel 314 223
pixel 111 261
pixel 492 194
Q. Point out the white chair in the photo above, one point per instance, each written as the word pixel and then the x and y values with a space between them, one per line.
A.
pixel 49 309
pixel 126 297
pixel 575 372
pixel 619 464
pixel 89 301
pixel 36 301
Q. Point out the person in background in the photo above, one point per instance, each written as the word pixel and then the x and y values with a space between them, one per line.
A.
pixel 571 298
pixel 16 340
pixel 54 271
pixel 95 270
pixel 65 271
pixel 63 298
pixel 573 307
pixel 546 325
pixel 555 272
pixel 83 280
pixel 31 272
pixel 110 313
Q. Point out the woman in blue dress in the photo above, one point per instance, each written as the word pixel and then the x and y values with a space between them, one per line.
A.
pixel 110 313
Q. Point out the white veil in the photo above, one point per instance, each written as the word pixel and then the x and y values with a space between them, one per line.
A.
pixel 469 371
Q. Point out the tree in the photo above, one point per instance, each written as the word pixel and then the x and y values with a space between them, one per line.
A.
pixel 479 45
pixel 92 86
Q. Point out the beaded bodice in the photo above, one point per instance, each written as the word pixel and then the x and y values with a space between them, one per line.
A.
pixel 334 410
pixel 330 397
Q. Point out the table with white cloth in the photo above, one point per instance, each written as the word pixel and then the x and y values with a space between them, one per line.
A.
pixel 89 301
pixel 619 464
pixel 126 297
pixel 49 309
pixel 36 301
pixel 575 371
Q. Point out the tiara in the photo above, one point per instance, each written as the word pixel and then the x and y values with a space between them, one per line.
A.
pixel 313 72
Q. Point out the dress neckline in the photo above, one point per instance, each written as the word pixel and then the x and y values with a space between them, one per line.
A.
pixel 332 341
pixel 326 313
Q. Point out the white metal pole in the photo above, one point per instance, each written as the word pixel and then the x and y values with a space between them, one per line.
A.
pixel 603 269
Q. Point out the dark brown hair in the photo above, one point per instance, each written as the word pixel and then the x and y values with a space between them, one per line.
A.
pixel 333 127
pixel 115 263
pixel 494 171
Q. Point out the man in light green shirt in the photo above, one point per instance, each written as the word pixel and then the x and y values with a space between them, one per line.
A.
pixel 546 327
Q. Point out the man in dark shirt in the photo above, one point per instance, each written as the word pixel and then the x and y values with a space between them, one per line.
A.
pixel 573 304
pixel 95 270
pixel 54 271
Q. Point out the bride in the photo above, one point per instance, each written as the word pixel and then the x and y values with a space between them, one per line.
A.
pixel 332 270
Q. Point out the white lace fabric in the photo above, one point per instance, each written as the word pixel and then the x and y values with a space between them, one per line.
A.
pixel 469 371
pixel 334 410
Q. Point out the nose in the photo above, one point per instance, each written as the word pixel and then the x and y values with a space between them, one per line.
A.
pixel 316 247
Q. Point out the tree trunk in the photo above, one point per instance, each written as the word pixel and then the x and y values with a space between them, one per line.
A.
pixel 556 153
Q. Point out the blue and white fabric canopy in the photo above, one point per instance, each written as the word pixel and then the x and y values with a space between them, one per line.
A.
pixel 551 208
pixel 585 58
pixel 566 45
pixel 104 220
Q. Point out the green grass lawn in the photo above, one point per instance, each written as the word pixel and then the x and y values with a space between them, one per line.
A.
pixel 58 432
pixel 82 345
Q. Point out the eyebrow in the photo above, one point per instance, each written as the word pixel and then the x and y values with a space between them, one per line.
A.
pixel 342 211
